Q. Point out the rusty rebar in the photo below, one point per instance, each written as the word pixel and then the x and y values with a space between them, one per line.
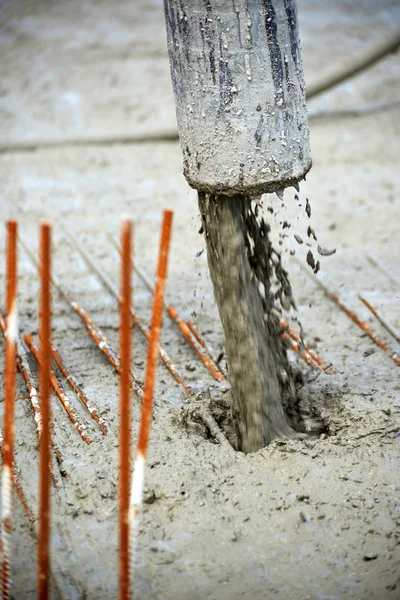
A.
pixel 190 338
pixel 74 385
pixel 9 406
pixel 56 385
pixel 298 345
pixel 91 327
pixel 136 497
pixel 125 336
pixel 195 331
pixel 18 488
pixel 112 288
pixel 24 368
pixel 363 325
pixel 382 320
pixel 45 439
pixel 193 337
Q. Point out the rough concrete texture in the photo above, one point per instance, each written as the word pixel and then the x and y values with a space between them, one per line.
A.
pixel 306 519
pixel 239 91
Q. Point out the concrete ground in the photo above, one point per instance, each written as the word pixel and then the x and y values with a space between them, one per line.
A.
pixel 87 132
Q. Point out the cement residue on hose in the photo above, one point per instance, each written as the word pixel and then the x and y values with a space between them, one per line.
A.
pixel 251 286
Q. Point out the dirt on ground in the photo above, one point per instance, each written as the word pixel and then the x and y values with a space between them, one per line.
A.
pixel 312 519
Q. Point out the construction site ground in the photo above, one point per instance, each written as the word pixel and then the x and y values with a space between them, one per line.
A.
pixel 82 86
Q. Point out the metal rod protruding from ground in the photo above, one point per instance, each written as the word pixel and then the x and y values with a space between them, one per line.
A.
pixel 203 354
pixel 45 439
pixel 136 497
pixel 125 344
pixel 9 408
pixel 363 325
pixel 112 288
pixel 92 329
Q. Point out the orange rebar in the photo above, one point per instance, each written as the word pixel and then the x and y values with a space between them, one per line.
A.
pixel 18 488
pixel 195 331
pixel 155 327
pixel 388 326
pixel 109 284
pixel 307 351
pixel 93 330
pixel 73 383
pixel 193 328
pixel 45 440
pixel 150 376
pixel 368 330
pixel 125 406
pixel 195 345
pixel 295 346
pixel 363 325
pixel 97 335
pixel 24 369
pixel 183 327
pixel 9 404
pixel 22 497
pixel 164 357
pixel 105 346
pixel 309 356
pixel 56 385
